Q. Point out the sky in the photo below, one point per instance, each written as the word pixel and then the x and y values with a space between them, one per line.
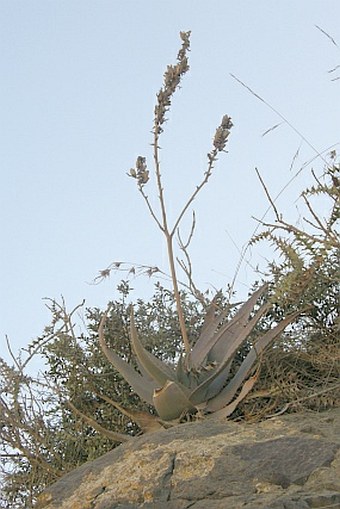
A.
pixel 78 85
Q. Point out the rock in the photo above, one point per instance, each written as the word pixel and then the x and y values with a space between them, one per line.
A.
pixel 287 462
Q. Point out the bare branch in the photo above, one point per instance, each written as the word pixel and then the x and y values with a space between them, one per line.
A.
pixel 327 35
pixel 185 245
pixel 271 129
pixel 152 213
pixel 311 210
pixel 207 175
pixel 271 201
pixel 112 435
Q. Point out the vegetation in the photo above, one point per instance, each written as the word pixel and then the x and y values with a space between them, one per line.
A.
pixel 181 355
pixel 201 379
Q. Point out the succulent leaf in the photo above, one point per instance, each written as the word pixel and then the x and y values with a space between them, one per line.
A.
pixel 143 387
pixel 158 370
pixel 171 401
pixel 144 373
pixel 199 394
pixel 209 328
pixel 211 321
pixel 214 343
pixel 145 420
pixel 237 323
pixel 227 394
pixel 229 409
pixel 217 384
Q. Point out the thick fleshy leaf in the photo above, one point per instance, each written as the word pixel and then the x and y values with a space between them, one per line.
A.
pixel 211 321
pixel 158 370
pixel 171 402
pixel 229 409
pixel 193 378
pixel 196 357
pixel 213 343
pixel 200 394
pixel 230 333
pixel 227 394
pixel 143 387
pixel 201 375
pixel 216 385
pixel 144 373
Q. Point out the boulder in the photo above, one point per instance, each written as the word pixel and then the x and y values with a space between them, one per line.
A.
pixel 286 462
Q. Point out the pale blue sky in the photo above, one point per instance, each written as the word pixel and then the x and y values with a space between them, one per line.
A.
pixel 78 81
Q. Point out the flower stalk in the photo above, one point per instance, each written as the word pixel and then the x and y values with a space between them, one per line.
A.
pixel 172 79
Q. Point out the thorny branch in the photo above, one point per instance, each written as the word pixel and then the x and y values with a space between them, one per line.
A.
pixel 330 235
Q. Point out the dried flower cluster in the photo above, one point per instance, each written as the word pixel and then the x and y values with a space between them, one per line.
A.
pixel 140 172
pixel 222 133
pixel 172 78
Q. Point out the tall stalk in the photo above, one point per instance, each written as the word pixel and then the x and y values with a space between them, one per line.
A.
pixel 172 78
pixel 169 244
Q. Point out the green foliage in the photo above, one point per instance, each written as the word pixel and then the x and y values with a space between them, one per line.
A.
pixel 303 369
pixel 74 411
pixel 308 266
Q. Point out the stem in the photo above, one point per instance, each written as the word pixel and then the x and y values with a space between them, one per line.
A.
pixel 169 234
pixel 207 175
pixel 169 240
pixel 159 183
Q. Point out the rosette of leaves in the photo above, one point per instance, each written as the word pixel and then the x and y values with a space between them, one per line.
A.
pixel 203 380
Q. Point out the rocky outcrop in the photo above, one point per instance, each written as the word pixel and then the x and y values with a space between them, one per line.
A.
pixel 287 462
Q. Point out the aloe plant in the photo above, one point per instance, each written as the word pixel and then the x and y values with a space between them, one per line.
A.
pixel 201 381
